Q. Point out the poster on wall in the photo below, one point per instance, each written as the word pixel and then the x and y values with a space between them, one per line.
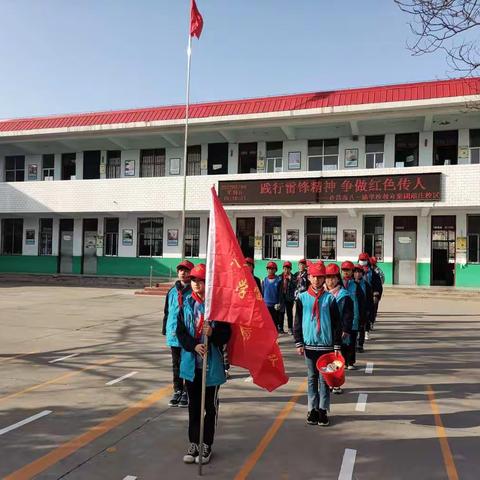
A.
pixel 127 237
pixel 293 237
pixel 129 168
pixel 294 160
pixel 174 166
pixel 32 171
pixel 349 239
pixel 172 237
pixel 30 237
pixel 351 157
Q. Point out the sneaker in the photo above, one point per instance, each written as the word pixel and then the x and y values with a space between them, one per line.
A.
pixel 175 400
pixel 183 403
pixel 227 373
pixel 351 367
pixel 290 331
pixel 192 454
pixel 367 336
pixel 337 390
pixel 323 418
pixel 312 417
pixel 207 453
pixel 360 350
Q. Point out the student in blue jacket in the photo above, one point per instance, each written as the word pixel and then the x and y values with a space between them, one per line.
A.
pixel 273 295
pixel 191 330
pixel 173 302
pixel 317 330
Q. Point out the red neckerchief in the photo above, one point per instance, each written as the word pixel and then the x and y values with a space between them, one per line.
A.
pixel 345 282
pixel 316 308
pixel 335 291
pixel 271 276
pixel 180 294
pixel 199 327
pixel 286 279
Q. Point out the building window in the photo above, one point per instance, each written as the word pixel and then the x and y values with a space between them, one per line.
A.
pixel 113 164
pixel 323 154
pixel 373 236
pixel 247 157
pixel 194 160
pixel 321 237
pixel 272 237
pixel 45 238
pixel 473 236
pixel 475 146
pixel 274 157
pixel 374 151
pixel 406 150
pixel 48 166
pixel 445 147
pixel 152 163
pixel 111 237
pixel 15 168
pixel 192 237
pixel 12 236
pixel 69 168
pixel 150 237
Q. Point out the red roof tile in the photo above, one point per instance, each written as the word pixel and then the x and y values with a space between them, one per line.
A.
pixel 357 96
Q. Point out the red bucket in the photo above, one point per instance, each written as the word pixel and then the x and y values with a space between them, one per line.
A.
pixel 336 378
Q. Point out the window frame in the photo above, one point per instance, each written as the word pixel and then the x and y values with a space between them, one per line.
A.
pixel 111 234
pixel 194 160
pixel 48 172
pixel 15 236
pixel 154 239
pixel 275 238
pixel 416 152
pixel 152 162
pixel 376 237
pixel 117 167
pixel 374 152
pixel 323 156
pixel 320 237
pixel 17 172
pixel 273 162
pixel 41 234
pixel 192 239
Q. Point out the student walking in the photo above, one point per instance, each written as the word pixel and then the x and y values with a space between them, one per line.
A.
pixel 375 282
pixel 273 295
pixel 366 312
pixel 191 330
pixel 288 292
pixel 173 303
pixel 301 277
pixel 317 330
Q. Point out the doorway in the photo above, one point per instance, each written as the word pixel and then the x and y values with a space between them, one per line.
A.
pixel 91 165
pixel 443 250
pixel 445 147
pixel 65 258
pixel 246 236
pixel 89 250
pixel 217 158
pixel 404 250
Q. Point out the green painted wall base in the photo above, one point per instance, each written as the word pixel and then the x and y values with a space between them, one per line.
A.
pixel 423 274
pixel 28 264
pixel 467 275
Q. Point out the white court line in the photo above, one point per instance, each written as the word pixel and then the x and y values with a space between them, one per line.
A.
pixel 361 402
pixel 248 379
pixel 63 358
pixel 113 382
pixel 24 422
pixel 369 367
pixel 130 477
pixel 348 462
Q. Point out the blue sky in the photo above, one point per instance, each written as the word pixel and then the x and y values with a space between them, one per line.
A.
pixel 61 56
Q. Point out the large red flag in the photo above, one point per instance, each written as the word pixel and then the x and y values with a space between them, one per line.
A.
pixel 232 296
pixel 196 21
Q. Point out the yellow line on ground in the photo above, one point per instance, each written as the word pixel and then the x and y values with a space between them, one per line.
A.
pixel 56 379
pixel 43 463
pixel 3 360
pixel 268 437
pixel 442 436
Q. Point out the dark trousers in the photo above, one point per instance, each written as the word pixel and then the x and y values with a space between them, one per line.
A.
pixel 361 334
pixel 289 312
pixel 349 351
pixel 275 314
pixel 178 385
pixel 375 311
pixel 194 390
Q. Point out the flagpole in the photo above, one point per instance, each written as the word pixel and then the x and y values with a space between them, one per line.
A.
pixel 187 107
pixel 202 402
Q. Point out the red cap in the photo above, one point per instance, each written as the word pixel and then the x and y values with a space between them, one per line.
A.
pixel 332 269
pixel 272 265
pixel 373 260
pixel 302 261
pixel 347 265
pixel 309 263
pixel 364 256
pixel 317 269
pixel 199 271
pixel 365 268
pixel 186 265
pixel 250 261
pixel 358 267
pixel 287 264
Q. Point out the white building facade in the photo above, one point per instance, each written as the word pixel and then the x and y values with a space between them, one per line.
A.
pixel 394 171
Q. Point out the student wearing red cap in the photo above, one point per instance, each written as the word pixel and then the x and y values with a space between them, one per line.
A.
pixel 349 345
pixel 344 301
pixel 301 277
pixel 376 300
pixel 173 303
pixel 191 331
pixel 317 330
pixel 375 282
pixel 273 295
pixel 288 291
pixel 250 263
pixel 366 311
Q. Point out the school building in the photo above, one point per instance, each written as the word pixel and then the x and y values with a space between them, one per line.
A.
pixel 391 170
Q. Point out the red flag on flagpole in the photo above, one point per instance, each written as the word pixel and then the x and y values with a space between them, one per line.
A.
pixel 232 296
pixel 196 21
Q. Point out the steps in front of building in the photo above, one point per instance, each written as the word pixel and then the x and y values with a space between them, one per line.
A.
pixel 160 289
